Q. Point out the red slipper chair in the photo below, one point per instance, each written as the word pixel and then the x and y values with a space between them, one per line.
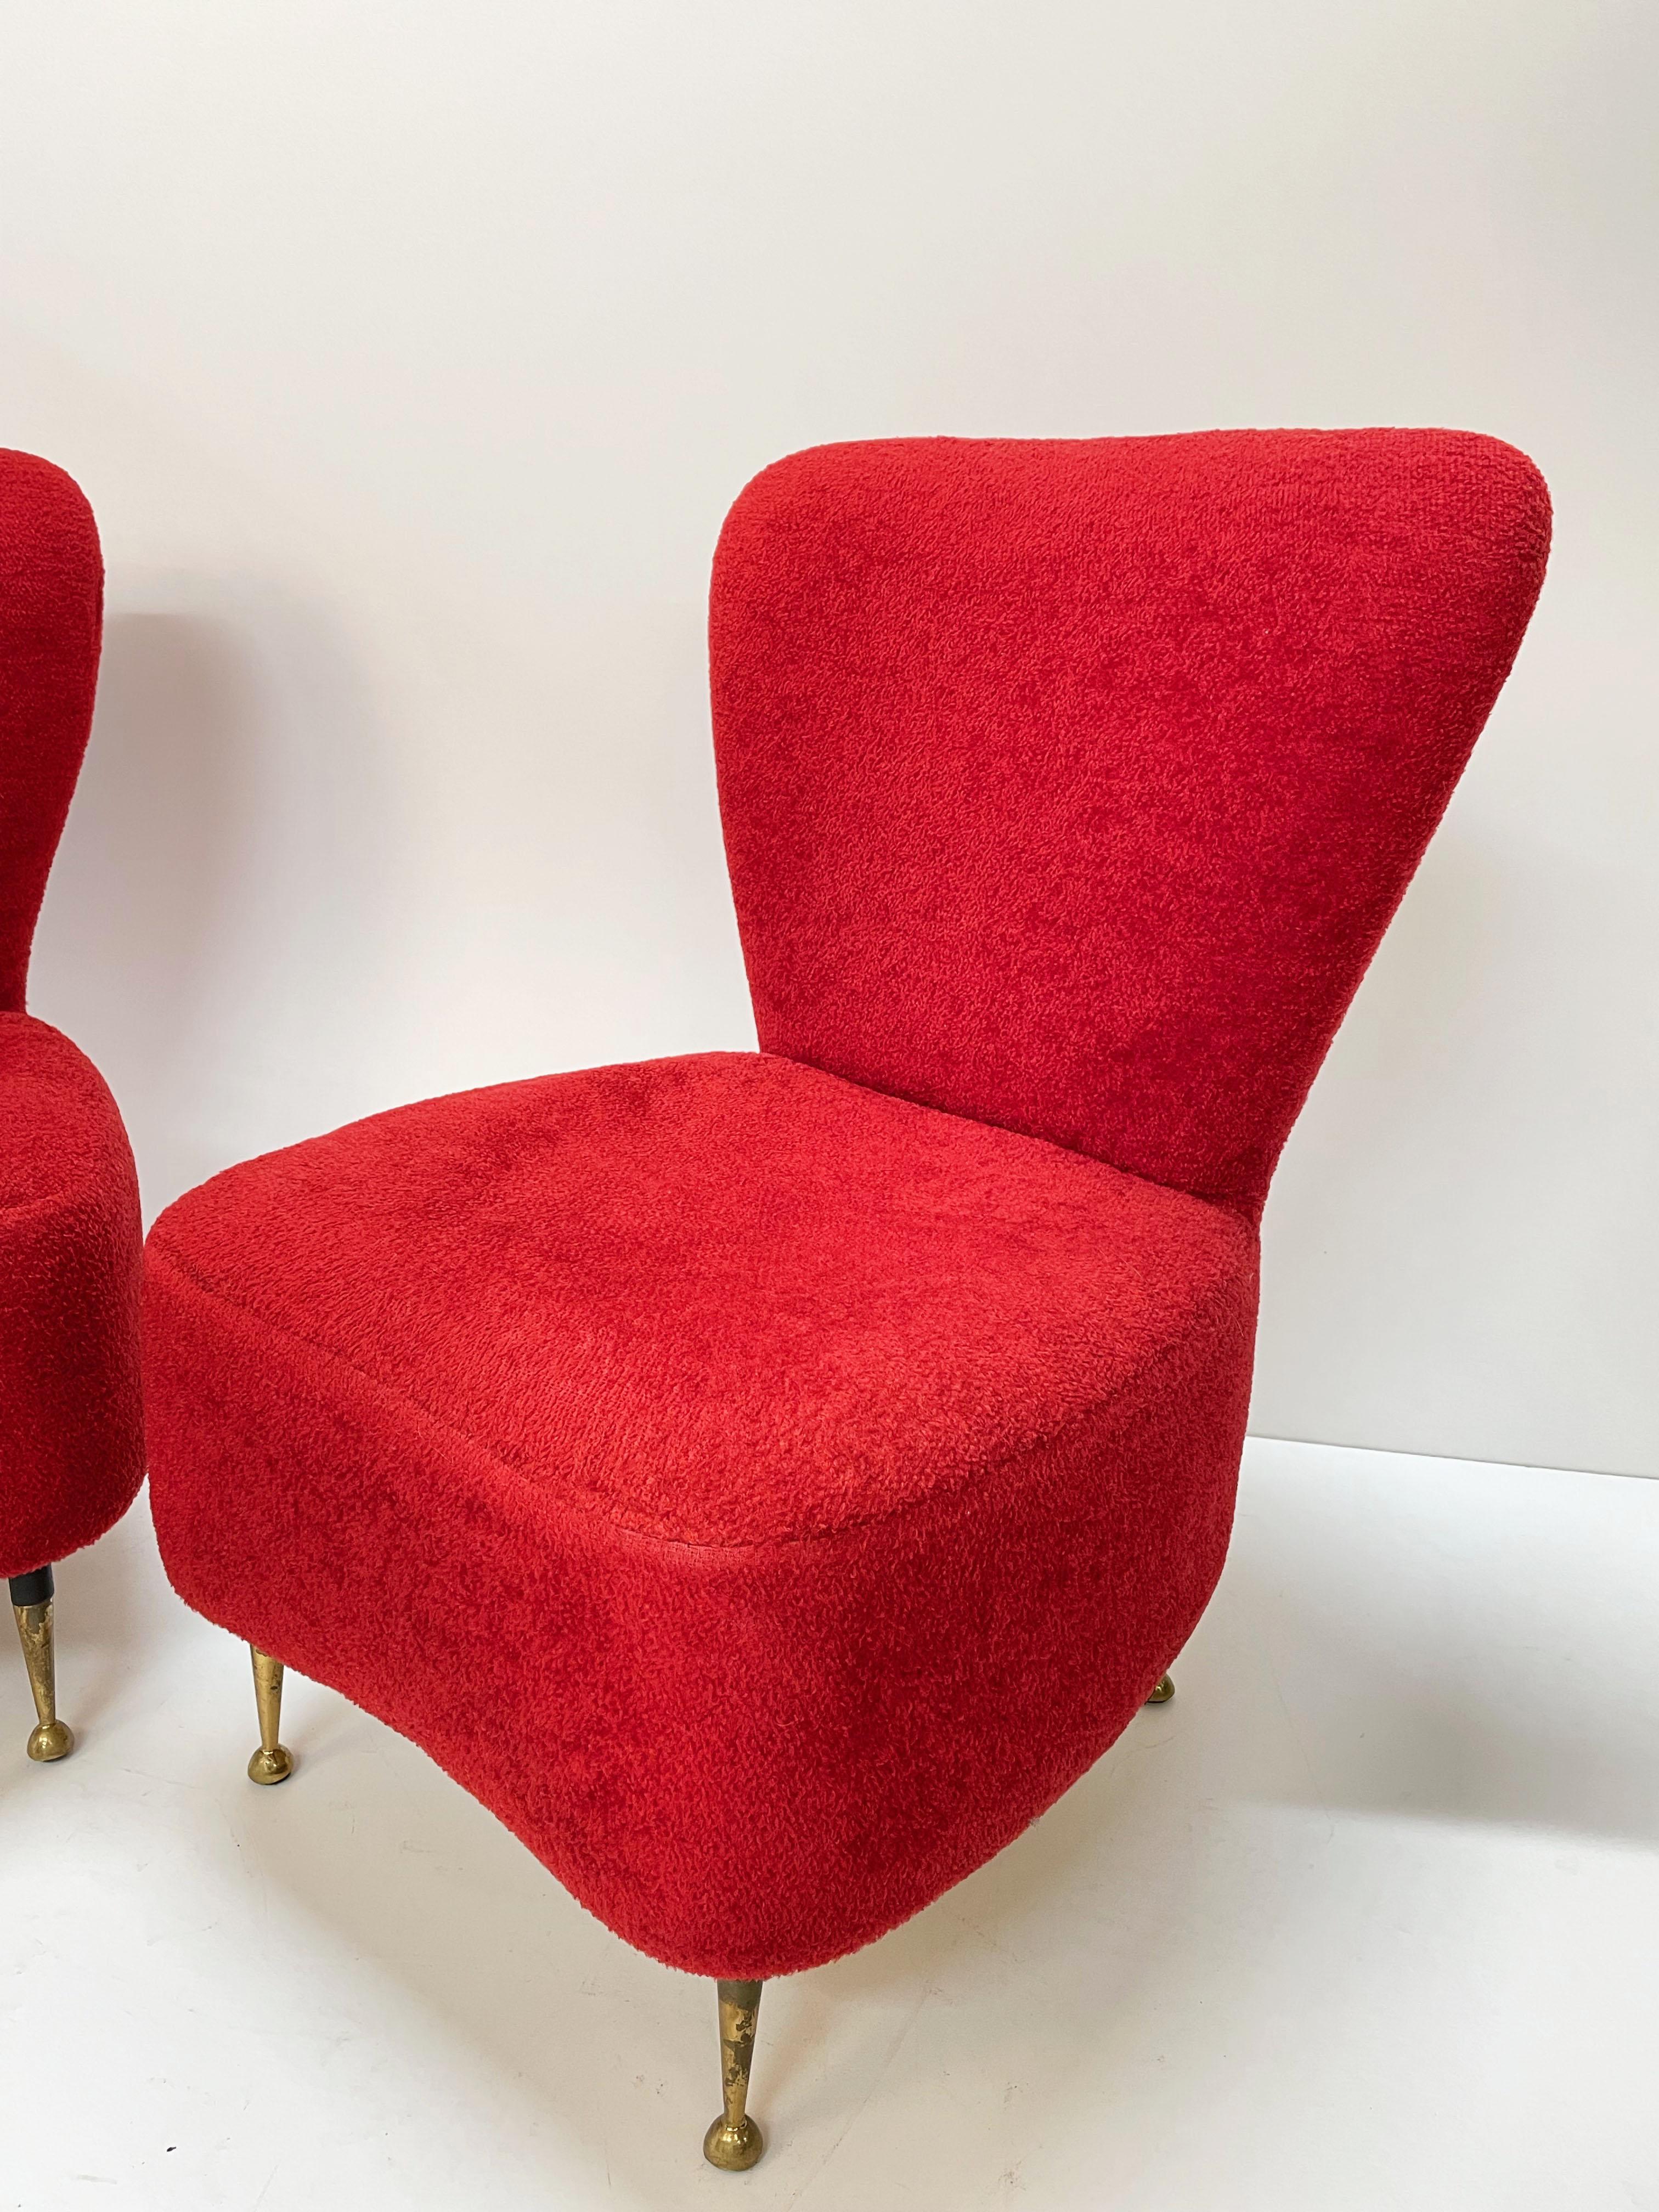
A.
pixel 71 1442
pixel 766 1482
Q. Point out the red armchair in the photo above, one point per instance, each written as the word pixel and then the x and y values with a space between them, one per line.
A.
pixel 71 1446
pixel 768 1481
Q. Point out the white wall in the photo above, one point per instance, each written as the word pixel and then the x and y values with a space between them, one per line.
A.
pixel 411 355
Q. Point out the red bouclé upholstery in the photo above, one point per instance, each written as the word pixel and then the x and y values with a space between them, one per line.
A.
pixel 51 612
pixel 70 1427
pixel 1070 785
pixel 71 1432
pixel 736 1394
pixel 769 1481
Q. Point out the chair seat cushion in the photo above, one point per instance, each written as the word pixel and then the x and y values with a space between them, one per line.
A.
pixel 766 1494
pixel 70 1437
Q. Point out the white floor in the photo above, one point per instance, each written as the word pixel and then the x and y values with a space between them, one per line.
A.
pixel 1368 1918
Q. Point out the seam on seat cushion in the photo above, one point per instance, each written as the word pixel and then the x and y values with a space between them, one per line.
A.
pixel 51 1201
pixel 160 1254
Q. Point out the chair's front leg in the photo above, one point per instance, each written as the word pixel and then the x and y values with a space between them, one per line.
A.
pixel 733 2141
pixel 30 1602
pixel 272 1762
pixel 1163 1692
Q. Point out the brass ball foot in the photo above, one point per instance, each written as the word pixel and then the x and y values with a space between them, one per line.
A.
pixel 1163 1692
pixel 734 2149
pixel 270 1766
pixel 51 1739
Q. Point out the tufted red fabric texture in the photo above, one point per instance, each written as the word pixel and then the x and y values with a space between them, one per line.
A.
pixel 766 1482
pixel 52 590
pixel 71 1453
pixel 72 1458
pixel 736 1395
pixel 1071 783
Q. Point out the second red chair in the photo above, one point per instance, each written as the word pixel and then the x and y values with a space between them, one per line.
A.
pixel 72 1448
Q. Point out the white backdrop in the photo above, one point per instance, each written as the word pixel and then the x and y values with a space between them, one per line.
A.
pixel 412 354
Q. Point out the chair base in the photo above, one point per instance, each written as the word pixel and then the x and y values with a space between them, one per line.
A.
pixel 733 2141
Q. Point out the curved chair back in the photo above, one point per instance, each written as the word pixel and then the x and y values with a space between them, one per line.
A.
pixel 52 593
pixel 1069 785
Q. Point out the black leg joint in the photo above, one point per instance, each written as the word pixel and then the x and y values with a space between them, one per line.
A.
pixel 33 1589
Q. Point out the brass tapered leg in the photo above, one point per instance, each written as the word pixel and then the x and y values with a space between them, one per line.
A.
pixel 270 1763
pixel 1163 1692
pixel 733 2141
pixel 31 1604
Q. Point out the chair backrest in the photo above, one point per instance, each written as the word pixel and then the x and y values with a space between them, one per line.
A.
pixel 1070 785
pixel 51 594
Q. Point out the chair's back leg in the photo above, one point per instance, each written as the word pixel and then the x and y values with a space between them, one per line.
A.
pixel 31 1603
